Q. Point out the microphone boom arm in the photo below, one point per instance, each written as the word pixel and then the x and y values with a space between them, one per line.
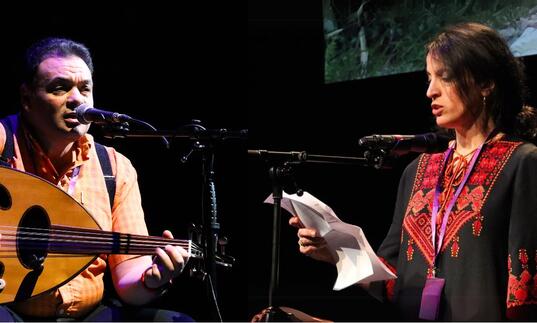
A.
pixel 187 133
pixel 304 157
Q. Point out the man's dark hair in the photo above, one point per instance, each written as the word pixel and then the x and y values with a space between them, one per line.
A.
pixel 52 47
pixel 476 55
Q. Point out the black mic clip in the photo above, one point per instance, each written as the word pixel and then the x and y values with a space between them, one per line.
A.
pixel 379 158
pixel 115 130
pixel 285 175
pixel 195 127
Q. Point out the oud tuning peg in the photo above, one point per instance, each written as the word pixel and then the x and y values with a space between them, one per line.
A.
pixel 195 233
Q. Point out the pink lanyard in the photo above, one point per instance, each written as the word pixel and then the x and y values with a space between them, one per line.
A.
pixel 438 190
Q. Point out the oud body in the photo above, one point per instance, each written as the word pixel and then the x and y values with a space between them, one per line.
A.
pixel 47 237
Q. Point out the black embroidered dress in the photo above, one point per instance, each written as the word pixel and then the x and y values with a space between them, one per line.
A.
pixel 489 253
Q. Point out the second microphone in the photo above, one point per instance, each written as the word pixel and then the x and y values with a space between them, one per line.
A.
pixel 431 142
pixel 86 114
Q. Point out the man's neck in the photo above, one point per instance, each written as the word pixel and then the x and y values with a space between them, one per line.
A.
pixel 58 150
pixel 59 155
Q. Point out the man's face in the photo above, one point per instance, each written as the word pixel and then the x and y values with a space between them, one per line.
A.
pixel 60 85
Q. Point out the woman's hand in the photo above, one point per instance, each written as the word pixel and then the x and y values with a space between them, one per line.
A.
pixel 311 243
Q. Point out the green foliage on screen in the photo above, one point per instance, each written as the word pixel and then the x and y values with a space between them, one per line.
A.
pixel 374 38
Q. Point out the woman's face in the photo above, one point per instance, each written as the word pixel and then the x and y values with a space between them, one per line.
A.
pixel 447 106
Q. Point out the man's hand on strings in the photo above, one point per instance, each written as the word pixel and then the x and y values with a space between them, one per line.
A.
pixel 168 263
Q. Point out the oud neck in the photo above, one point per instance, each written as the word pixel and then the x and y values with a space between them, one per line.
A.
pixel 71 240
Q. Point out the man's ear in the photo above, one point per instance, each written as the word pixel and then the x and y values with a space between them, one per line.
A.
pixel 25 96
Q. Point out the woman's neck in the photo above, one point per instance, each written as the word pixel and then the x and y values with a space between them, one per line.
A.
pixel 469 139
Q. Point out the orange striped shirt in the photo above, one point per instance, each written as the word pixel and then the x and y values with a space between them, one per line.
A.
pixel 83 293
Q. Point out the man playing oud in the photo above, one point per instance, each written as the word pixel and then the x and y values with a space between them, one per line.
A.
pixel 47 140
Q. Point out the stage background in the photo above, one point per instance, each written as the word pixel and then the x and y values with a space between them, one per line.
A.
pixel 292 109
pixel 165 63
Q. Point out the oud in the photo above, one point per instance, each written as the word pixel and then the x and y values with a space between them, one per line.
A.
pixel 47 237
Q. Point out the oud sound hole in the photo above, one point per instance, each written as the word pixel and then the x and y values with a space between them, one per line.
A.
pixel 33 237
pixel 5 198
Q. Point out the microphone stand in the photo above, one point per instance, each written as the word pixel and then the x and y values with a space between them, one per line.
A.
pixel 203 141
pixel 282 176
pixel 279 175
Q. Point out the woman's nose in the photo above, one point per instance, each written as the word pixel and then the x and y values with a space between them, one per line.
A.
pixel 432 90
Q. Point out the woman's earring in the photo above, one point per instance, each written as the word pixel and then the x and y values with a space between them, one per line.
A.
pixel 484 102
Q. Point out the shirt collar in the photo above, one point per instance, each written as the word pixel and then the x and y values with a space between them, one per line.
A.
pixel 79 153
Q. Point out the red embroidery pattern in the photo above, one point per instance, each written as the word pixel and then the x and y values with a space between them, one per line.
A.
pixel 455 247
pixel 521 289
pixel 523 257
pixel 417 225
pixel 476 226
pixel 409 251
pixel 420 201
pixel 424 183
pixel 471 197
pixel 390 283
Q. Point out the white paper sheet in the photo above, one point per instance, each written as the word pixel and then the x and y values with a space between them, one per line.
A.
pixel 357 262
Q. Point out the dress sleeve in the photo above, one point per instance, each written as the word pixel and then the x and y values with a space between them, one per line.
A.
pixel 388 251
pixel 522 239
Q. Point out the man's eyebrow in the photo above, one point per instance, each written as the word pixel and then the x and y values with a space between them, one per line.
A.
pixel 60 79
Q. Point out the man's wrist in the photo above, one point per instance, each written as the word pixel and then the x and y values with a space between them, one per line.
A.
pixel 162 289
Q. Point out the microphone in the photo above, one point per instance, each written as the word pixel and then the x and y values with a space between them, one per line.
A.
pixel 86 114
pixel 431 142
